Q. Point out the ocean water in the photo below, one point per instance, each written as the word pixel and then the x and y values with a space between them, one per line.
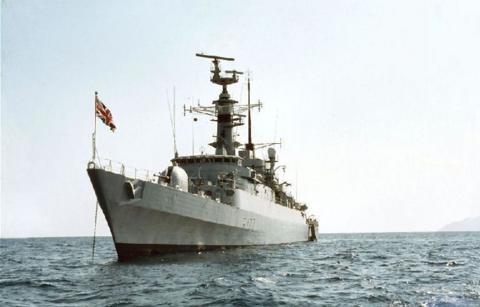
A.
pixel 394 269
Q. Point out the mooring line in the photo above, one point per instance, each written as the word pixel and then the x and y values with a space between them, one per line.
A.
pixel 94 231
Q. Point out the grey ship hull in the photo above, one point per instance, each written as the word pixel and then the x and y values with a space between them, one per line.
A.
pixel 159 219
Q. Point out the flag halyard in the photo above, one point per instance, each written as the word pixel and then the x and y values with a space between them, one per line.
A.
pixel 104 114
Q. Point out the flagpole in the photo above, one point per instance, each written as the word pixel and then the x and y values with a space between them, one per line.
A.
pixel 94 135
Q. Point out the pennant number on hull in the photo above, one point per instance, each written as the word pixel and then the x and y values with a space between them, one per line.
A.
pixel 248 223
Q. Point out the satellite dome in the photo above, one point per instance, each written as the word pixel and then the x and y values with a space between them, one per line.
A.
pixel 178 178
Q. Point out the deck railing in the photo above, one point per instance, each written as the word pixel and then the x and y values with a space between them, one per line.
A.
pixel 124 170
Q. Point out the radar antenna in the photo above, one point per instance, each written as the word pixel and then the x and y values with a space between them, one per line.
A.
pixel 216 77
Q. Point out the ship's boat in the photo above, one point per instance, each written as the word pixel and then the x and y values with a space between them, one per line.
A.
pixel 201 202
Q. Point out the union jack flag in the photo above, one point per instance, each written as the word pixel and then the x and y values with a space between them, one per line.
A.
pixel 104 114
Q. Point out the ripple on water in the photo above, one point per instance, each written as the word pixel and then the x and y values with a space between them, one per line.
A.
pixel 361 269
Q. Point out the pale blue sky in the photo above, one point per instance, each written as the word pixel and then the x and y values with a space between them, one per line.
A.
pixel 377 102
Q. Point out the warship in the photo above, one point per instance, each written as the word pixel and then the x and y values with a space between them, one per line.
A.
pixel 230 198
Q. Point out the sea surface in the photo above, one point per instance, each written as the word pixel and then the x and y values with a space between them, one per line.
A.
pixel 391 269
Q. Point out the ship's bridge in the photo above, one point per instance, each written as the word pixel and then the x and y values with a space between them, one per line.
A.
pixel 201 159
pixel 209 167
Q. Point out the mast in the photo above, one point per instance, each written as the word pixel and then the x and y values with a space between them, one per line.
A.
pixel 174 125
pixel 171 114
pixel 249 145
pixel 225 111
pixel 94 134
pixel 228 113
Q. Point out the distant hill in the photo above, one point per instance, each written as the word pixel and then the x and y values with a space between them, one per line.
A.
pixel 470 224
